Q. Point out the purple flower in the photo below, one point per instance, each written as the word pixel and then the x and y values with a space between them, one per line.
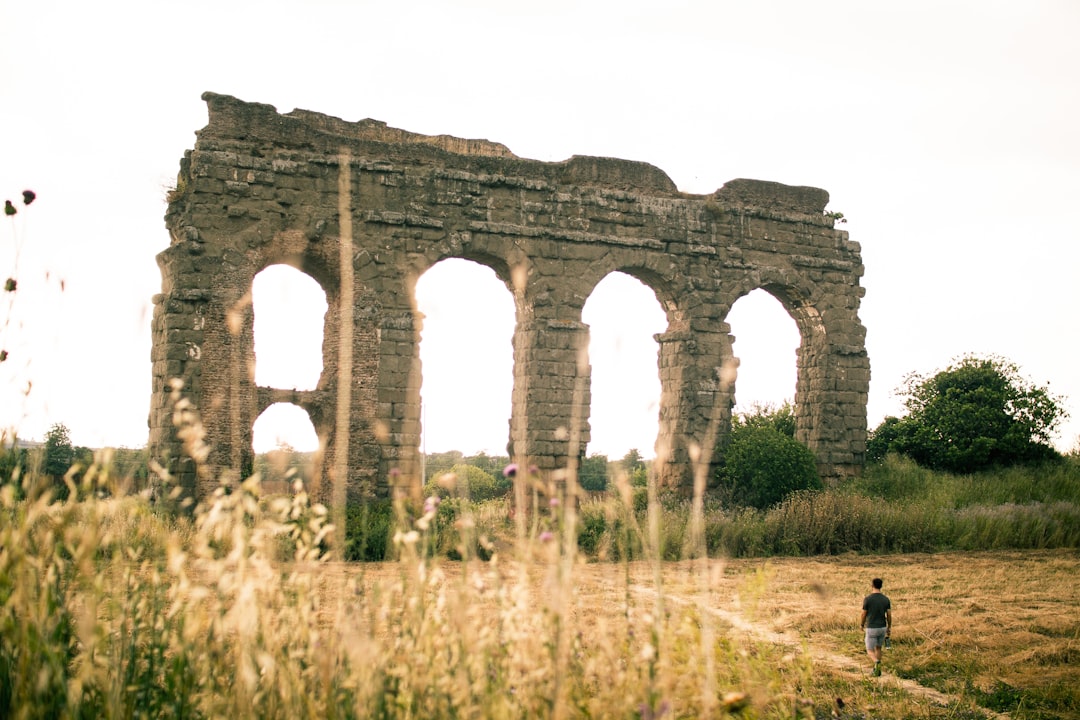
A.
pixel 432 504
pixel 394 472
pixel 554 502
pixel 510 470
pixel 546 536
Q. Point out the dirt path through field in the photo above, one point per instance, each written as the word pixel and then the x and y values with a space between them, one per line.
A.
pixel 793 642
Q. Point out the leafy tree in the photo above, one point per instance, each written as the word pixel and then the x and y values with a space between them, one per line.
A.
pixel 780 418
pixel 59 452
pixel 632 461
pixel 592 475
pixel 437 464
pixel 635 468
pixel 491 464
pixel 762 463
pixel 975 414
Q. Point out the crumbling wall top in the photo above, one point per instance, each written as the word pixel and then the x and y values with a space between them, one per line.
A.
pixel 766 194
pixel 237 123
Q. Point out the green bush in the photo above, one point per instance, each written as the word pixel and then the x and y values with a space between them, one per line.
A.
pixel 469 482
pixel 368 530
pixel 763 465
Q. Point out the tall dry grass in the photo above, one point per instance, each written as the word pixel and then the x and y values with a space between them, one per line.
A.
pixel 112 608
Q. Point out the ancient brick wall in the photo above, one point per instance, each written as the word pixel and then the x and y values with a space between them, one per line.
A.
pixel 365 210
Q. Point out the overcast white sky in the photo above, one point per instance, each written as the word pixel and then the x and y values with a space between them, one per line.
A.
pixel 945 131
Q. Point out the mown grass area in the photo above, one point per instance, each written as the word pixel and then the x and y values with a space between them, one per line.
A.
pixel 110 607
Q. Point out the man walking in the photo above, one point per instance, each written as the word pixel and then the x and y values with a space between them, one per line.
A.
pixel 877 620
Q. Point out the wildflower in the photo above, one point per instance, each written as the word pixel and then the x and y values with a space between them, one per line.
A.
pixel 510 470
pixel 533 470
pixel 9 209
pixel 546 536
pixel 395 472
pixel 554 502
pixel 432 504
pixel 28 196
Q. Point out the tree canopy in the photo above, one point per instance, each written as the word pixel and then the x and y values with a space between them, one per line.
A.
pixel 977 413
pixel 59 452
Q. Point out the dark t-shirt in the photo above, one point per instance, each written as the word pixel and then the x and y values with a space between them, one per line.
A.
pixel 875 605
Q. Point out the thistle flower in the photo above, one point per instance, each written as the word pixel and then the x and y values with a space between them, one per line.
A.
pixel 510 470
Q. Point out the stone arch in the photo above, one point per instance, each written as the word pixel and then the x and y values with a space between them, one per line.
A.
pixel 275 478
pixel 305 298
pixel 365 209
pixel 825 399
pixel 476 356
pixel 768 339
pixel 644 359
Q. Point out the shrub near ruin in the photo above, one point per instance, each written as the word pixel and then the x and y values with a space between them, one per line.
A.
pixel 762 466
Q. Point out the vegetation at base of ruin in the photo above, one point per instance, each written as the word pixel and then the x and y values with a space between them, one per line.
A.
pixel 111 607
pixel 977 413
pixel 762 462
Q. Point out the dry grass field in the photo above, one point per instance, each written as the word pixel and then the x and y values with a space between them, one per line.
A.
pixel 975 634
pixel 110 608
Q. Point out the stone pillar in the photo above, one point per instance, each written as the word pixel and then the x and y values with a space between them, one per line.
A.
pixel 178 323
pixel 362 428
pixel 549 419
pixel 697 393
pixel 398 407
pixel 830 398
pixel 228 394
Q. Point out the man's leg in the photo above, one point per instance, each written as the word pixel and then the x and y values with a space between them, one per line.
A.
pixel 873 648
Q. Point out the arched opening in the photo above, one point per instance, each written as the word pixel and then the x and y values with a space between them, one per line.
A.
pixel 289 314
pixel 766 344
pixel 285 444
pixel 467 357
pixel 623 315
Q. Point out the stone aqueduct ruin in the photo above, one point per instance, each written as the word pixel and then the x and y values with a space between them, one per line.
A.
pixel 366 209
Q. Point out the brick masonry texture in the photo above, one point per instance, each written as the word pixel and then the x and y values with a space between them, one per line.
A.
pixel 262 188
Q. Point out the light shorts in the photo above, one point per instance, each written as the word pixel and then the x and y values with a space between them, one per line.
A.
pixel 875 637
